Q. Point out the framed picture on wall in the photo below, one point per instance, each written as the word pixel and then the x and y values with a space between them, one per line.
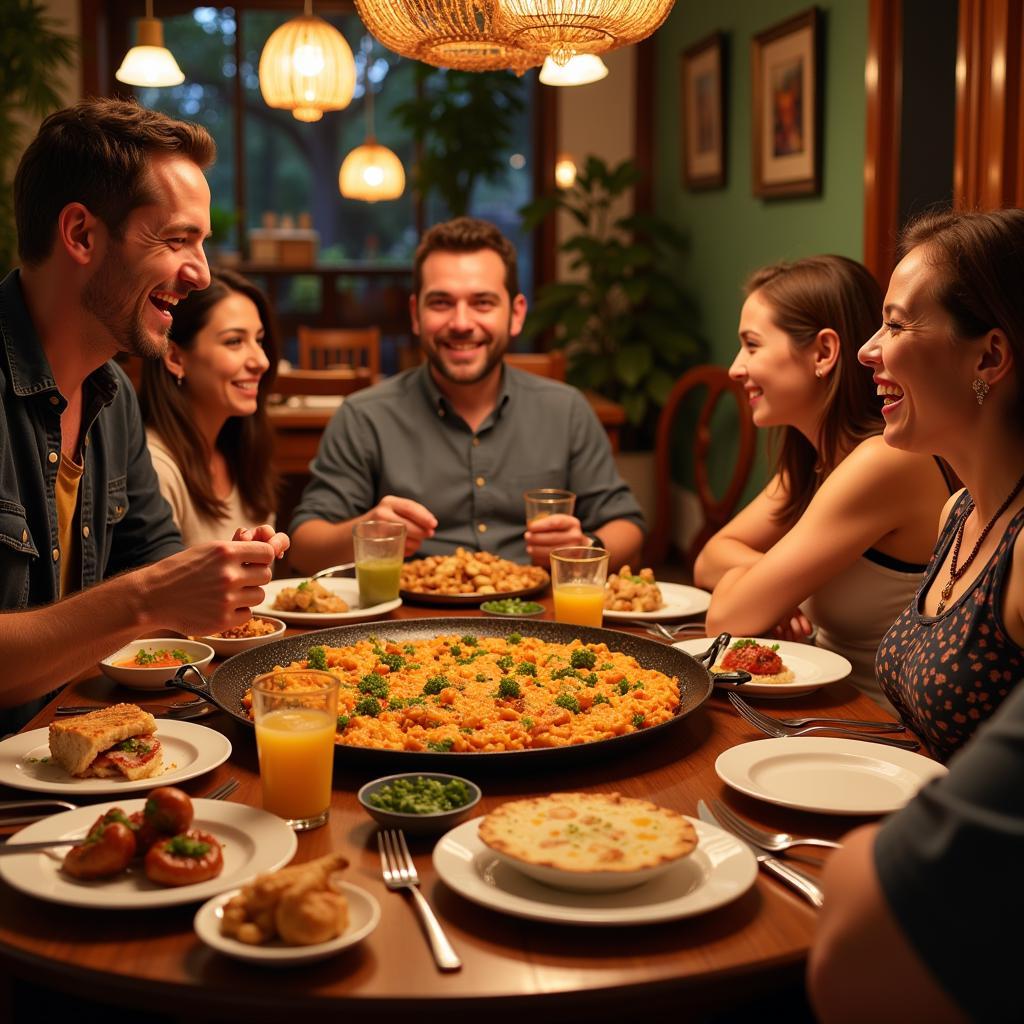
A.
pixel 703 110
pixel 786 110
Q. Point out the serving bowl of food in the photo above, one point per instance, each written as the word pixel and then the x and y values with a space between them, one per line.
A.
pixel 149 664
pixel 419 803
pixel 468 578
pixel 259 630
pixel 588 842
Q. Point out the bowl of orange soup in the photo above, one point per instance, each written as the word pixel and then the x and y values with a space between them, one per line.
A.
pixel 148 664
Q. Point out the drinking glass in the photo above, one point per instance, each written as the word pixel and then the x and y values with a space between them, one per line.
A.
pixel 296 714
pixel 578 577
pixel 548 501
pixel 379 548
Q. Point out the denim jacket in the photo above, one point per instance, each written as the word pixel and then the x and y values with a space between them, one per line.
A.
pixel 122 522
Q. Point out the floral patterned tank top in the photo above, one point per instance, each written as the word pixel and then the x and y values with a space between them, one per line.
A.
pixel 946 674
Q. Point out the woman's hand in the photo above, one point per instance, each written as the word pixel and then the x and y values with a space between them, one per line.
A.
pixel 795 626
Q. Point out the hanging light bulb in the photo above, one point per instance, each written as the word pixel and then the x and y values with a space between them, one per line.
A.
pixel 149 62
pixel 371 172
pixel 583 69
pixel 307 67
pixel 565 171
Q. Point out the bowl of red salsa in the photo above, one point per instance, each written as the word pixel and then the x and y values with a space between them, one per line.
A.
pixel 148 664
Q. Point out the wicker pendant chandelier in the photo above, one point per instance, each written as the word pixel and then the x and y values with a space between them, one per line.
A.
pixel 463 34
pixel 307 67
pixel 564 28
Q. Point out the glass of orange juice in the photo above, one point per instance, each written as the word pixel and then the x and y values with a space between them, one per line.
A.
pixel 548 501
pixel 578 577
pixel 296 714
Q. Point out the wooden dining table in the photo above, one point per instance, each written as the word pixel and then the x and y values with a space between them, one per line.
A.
pixel 512 967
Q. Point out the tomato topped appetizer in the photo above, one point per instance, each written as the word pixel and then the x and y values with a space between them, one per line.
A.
pixel 762 661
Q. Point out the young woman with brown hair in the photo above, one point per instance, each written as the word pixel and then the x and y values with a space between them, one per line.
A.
pixel 839 537
pixel 204 409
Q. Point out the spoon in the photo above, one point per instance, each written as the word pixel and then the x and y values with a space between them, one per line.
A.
pixel 331 570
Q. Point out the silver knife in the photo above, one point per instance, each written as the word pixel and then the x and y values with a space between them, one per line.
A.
pixel 794 878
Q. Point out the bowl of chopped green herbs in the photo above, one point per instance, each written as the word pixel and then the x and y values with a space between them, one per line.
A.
pixel 420 803
pixel 515 607
pixel 148 664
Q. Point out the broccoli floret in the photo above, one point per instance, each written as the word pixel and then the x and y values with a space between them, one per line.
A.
pixel 569 702
pixel 623 687
pixel 440 746
pixel 583 658
pixel 526 723
pixel 638 686
pixel 506 662
pixel 466 729
pixel 508 688
pixel 601 699
pixel 638 721
pixel 374 684
pixel 409 648
pixel 526 668
pixel 481 678
pixel 606 667
pixel 393 661
pixel 316 657
pixel 368 706
pixel 513 638
pixel 590 679
pixel 342 723
pixel 564 673
pixel 434 685
pixel 469 640
pixel 455 650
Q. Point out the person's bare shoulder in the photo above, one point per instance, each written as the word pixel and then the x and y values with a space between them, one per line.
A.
pixel 886 471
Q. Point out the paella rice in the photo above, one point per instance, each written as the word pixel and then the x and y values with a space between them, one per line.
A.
pixel 487 693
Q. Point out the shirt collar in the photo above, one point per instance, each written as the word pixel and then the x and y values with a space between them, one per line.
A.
pixel 438 402
pixel 30 370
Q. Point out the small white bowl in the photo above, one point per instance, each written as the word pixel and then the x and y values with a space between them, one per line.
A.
pixel 363 913
pixel 225 647
pixel 141 678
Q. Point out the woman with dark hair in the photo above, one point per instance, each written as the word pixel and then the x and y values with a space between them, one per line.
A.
pixel 949 365
pixel 839 537
pixel 204 408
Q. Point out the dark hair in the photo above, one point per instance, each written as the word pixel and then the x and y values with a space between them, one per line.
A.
pixel 245 441
pixel 466 234
pixel 807 296
pixel 980 258
pixel 95 153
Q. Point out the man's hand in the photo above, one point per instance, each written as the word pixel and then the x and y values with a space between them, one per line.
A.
pixel 550 532
pixel 418 520
pixel 207 588
pixel 278 541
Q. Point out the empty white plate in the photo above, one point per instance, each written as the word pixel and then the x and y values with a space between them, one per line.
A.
pixel 831 776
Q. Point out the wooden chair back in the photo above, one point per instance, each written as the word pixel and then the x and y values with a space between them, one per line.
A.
pixel 327 348
pixel 716 383
pixel 322 382
pixel 544 364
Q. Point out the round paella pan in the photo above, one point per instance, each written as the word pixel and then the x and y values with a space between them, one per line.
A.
pixel 229 683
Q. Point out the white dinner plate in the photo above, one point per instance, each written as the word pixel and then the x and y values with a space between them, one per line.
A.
pixel 346 589
pixel 680 601
pixel 363 917
pixel 828 775
pixel 189 750
pixel 812 667
pixel 253 841
pixel 719 871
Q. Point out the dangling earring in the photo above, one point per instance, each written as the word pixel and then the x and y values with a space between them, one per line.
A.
pixel 181 379
pixel 981 389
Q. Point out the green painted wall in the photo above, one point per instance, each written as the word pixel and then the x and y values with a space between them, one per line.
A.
pixel 731 231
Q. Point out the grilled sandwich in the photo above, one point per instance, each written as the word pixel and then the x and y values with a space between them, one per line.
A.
pixel 113 742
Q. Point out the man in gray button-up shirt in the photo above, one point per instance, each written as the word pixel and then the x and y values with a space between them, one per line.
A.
pixel 449 448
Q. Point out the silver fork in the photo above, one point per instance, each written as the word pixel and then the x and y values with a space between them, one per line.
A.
pixel 400 872
pixel 223 791
pixel 773 728
pixel 774 841
pixel 813 719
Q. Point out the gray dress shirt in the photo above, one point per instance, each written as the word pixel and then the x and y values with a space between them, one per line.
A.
pixel 402 437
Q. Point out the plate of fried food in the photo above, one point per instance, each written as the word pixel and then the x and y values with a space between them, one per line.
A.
pixel 297 915
pixel 778 668
pixel 316 603
pixel 630 596
pixel 469 578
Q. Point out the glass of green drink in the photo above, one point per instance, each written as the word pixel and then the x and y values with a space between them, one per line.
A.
pixel 379 548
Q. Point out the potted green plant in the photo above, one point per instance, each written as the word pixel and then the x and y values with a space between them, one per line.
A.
pixel 625 320
pixel 31 55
